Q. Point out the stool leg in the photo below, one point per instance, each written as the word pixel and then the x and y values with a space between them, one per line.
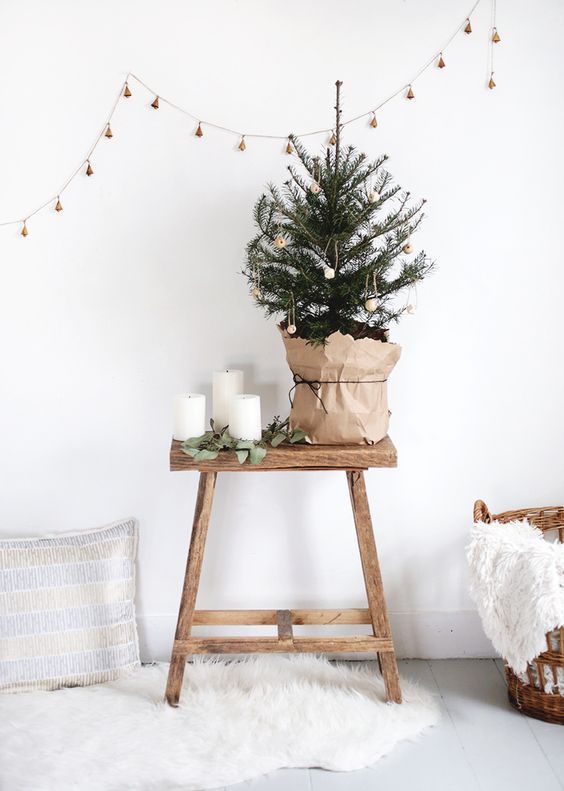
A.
pixel 373 580
pixel 202 513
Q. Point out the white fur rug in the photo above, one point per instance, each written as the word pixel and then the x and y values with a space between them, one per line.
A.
pixel 517 582
pixel 236 721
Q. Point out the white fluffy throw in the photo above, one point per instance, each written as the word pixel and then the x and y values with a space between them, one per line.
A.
pixel 517 582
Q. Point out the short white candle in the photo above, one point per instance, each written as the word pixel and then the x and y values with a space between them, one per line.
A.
pixel 244 417
pixel 226 384
pixel 189 416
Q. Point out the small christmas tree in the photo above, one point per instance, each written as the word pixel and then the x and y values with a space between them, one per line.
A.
pixel 334 248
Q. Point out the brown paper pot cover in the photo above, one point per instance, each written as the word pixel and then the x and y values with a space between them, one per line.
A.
pixel 353 388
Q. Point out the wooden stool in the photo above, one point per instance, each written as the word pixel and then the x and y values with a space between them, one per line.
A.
pixel 353 459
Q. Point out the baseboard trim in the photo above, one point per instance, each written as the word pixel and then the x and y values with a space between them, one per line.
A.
pixel 417 635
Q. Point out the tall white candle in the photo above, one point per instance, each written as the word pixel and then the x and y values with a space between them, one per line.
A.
pixel 226 384
pixel 244 417
pixel 189 416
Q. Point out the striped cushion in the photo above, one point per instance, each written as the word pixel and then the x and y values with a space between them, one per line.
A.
pixel 67 615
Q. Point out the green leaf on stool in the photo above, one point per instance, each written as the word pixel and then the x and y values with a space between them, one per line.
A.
pixel 206 455
pixel 242 455
pixel 277 439
pixel 257 454
pixel 190 451
pixel 245 444
pixel 297 436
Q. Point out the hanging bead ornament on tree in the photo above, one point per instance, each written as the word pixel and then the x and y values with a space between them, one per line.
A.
pixel 280 242
pixel 373 196
pixel 371 302
pixel 291 321
pixel 411 307
pixel 408 247
pixel 314 187
pixel 256 292
pixel 328 273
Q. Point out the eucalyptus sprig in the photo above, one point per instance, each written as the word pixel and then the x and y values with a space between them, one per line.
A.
pixel 212 443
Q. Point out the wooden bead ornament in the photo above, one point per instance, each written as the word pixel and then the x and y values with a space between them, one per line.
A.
pixel 58 205
pixel 328 273
pixel 441 63
pixel 407 248
pixel 280 242
pixel 242 145
pixel 373 196
pixel 468 27
pixel 373 121
pixel 496 38
pixel 314 188
pixel 24 231
pixel 371 302
pixel 126 91
pixel 491 83
pixel 89 169
pixel 411 309
pixel 256 292
pixel 199 132
pixel 291 320
pixel 155 103
pixel 291 329
pixel 108 133
pixel 410 94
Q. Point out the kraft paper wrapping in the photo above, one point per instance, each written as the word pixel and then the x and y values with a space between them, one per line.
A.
pixel 348 378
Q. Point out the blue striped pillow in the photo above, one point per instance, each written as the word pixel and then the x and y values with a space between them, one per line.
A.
pixel 67 614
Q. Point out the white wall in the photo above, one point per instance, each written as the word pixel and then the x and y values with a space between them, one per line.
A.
pixel 132 293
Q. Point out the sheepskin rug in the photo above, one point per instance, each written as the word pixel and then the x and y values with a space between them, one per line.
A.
pixel 236 720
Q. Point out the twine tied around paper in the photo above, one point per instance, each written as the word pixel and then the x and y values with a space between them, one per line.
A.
pixel 315 385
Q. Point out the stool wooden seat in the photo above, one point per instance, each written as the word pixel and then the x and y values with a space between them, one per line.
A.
pixel 353 459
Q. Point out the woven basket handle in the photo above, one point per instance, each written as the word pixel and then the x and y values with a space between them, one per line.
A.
pixel 481 512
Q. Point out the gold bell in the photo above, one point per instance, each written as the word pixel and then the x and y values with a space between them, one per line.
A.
pixel 126 91
pixel 155 103
pixel 242 145
pixel 410 94
pixel 24 231
pixel 441 64
pixel 199 132
pixel 289 148
pixel 89 171
pixel 58 205
pixel 373 121
pixel 468 28
pixel 496 38
pixel 332 140
pixel 108 133
pixel 491 83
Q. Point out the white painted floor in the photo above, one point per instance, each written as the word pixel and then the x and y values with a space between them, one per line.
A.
pixel 481 743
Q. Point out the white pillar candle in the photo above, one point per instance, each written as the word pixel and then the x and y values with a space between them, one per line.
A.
pixel 244 417
pixel 189 416
pixel 226 384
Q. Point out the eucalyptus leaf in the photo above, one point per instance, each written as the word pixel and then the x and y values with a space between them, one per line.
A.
pixel 242 455
pixel 205 455
pixel 190 451
pixel 277 439
pixel 245 444
pixel 195 442
pixel 297 436
pixel 257 454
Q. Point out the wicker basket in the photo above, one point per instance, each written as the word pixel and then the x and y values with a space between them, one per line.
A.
pixel 542 694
